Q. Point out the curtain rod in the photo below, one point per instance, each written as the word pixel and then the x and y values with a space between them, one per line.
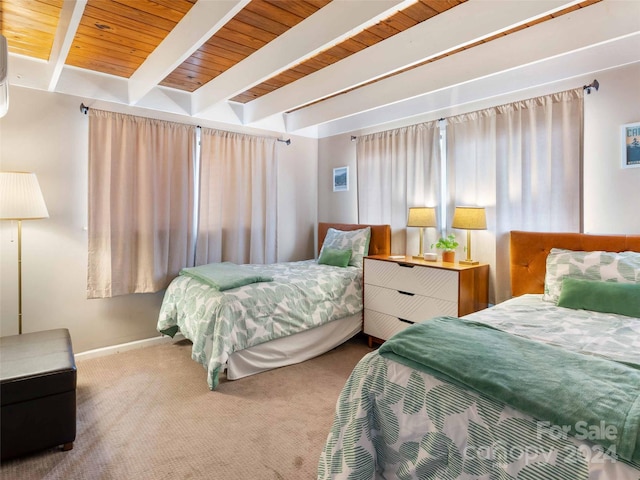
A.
pixel 595 84
pixel 354 138
pixel 84 109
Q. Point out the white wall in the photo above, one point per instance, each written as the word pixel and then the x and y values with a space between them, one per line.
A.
pixel 297 199
pixel 46 133
pixel 337 207
pixel 611 194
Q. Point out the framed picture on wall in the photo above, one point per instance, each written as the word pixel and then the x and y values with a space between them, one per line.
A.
pixel 341 179
pixel 631 145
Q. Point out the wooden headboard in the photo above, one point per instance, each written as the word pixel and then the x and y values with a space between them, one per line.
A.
pixel 380 243
pixel 529 250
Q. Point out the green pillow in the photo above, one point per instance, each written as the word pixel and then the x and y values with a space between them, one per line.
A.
pixel 598 296
pixel 356 240
pixel 623 267
pixel 335 257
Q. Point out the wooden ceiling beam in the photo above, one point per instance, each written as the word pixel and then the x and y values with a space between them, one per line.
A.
pixel 557 49
pixel 70 17
pixel 440 34
pixel 196 27
pixel 331 24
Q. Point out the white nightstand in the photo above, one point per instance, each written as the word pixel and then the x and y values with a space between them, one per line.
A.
pixel 402 291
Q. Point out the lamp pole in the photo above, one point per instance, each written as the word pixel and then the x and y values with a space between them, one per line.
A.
pixel 20 277
pixel 21 199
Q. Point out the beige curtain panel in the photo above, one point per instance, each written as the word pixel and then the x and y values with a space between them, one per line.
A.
pixel 141 208
pixel 398 169
pixel 238 198
pixel 522 161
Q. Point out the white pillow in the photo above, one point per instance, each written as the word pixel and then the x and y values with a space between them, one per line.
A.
pixel 623 267
pixel 356 240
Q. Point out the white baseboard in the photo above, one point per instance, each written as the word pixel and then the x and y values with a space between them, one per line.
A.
pixel 124 347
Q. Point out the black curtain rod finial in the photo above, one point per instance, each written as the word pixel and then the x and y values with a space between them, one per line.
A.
pixel 595 84
pixel 287 141
pixel 83 108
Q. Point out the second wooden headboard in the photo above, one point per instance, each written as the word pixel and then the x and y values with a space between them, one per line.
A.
pixel 529 250
pixel 379 244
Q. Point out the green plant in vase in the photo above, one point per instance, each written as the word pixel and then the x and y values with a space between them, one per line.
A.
pixel 448 246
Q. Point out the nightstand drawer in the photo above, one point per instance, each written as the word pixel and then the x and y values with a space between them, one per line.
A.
pixel 381 325
pixel 415 308
pixel 432 282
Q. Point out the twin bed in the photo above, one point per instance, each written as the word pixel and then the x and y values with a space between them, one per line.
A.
pixel 543 386
pixel 293 311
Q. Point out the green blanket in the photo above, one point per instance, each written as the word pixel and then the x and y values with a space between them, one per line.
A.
pixel 224 276
pixel 593 398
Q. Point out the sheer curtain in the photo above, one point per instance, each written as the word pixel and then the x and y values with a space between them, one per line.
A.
pixel 238 198
pixel 523 162
pixel 398 169
pixel 141 180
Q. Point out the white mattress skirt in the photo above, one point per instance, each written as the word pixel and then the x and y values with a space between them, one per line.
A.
pixel 292 349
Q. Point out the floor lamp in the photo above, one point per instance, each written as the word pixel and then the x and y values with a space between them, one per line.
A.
pixel 469 218
pixel 21 199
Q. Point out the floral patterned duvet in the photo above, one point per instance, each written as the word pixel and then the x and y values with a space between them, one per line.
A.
pixel 302 295
pixel 393 422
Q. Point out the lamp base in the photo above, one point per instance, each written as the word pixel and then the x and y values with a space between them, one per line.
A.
pixel 418 257
pixel 469 262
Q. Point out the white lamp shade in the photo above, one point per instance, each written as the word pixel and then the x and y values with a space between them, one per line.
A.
pixel 20 197
pixel 422 217
pixel 469 218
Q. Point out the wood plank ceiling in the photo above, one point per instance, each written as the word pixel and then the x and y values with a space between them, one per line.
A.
pixel 115 37
pixel 30 27
pixel 400 21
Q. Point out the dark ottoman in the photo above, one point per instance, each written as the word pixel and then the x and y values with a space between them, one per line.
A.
pixel 37 392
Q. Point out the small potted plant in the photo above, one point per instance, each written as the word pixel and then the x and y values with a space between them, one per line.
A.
pixel 448 246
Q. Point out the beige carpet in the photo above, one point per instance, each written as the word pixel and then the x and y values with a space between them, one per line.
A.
pixel 148 414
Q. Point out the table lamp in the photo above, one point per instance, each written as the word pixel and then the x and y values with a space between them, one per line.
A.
pixel 421 217
pixel 469 218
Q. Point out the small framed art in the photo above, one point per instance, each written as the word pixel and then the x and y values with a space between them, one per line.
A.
pixel 631 145
pixel 341 179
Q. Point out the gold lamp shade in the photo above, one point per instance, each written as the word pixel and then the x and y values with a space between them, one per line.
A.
pixel 469 218
pixel 422 217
